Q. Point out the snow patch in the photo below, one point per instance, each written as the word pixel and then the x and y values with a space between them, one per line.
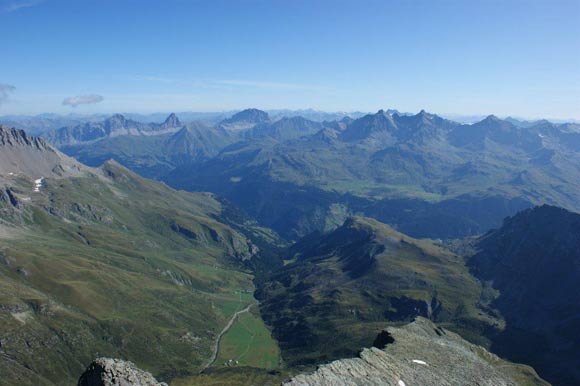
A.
pixel 38 184
pixel 420 362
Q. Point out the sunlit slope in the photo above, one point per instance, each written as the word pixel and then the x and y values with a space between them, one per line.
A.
pixel 111 264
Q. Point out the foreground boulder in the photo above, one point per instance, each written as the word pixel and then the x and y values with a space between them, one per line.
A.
pixel 420 354
pixel 115 372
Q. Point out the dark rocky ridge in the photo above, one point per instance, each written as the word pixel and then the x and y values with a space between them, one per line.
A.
pixel 533 260
pixel 115 372
pixel 17 137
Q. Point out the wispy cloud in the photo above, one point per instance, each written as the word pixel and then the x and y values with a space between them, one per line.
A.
pixel 241 83
pixel 153 78
pixel 269 85
pixel 19 4
pixel 82 100
pixel 5 91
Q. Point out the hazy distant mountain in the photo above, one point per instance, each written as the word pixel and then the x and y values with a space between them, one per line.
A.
pixel 533 261
pixel 38 124
pixel 115 126
pixel 245 119
pixel 425 174
pixel 283 129
pixel 154 155
pixel 314 115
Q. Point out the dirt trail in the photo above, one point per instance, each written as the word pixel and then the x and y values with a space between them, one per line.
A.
pixel 221 334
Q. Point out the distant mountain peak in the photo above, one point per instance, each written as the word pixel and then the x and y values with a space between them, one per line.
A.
pixel 493 121
pixel 492 118
pixel 172 121
pixel 370 124
pixel 425 115
pixel 118 117
pixel 250 115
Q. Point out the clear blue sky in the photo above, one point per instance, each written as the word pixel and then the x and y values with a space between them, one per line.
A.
pixel 507 57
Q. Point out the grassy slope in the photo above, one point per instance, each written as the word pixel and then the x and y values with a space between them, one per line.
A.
pixel 344 287
pixel 249 343
pixel 121 267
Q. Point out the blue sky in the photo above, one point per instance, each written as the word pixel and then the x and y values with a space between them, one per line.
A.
pixel 505 57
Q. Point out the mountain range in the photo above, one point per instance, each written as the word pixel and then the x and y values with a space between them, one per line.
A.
pixel 425 175
pixel 314 237
pixel 428 176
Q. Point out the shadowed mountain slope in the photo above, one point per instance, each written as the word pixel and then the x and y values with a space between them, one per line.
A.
pixel 533 261
pixel 339 289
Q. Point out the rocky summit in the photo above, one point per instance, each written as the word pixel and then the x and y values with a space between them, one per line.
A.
pixel 23 154
pixel 420 354
pixel 115 372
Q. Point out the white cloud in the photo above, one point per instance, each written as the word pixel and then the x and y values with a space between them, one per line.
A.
pixel 16 5
pixel 82 100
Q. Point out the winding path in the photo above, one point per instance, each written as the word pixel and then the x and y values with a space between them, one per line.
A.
pixel 221 334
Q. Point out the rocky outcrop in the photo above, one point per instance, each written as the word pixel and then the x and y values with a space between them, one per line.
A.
pixel 115 372
pixel 420 354
pixel 17 137
pixel 21 153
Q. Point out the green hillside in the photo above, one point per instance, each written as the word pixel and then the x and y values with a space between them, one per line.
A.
pixel 340 289
pixel 111 264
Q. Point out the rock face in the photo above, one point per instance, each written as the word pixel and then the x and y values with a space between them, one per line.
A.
pixel 115 372
pixel 533 261
pixel 21 153
pixel 420 354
